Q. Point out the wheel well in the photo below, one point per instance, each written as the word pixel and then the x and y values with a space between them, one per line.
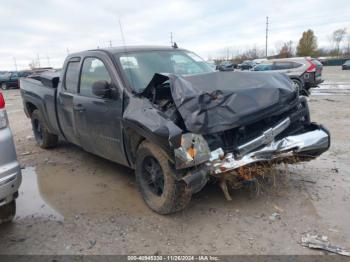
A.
pixel 30 108
pixel 132 143
pixel 296 78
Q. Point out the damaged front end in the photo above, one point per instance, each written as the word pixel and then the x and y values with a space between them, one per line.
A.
pixel 262 150
pixel 231 121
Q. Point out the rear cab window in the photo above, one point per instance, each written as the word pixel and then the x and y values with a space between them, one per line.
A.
pixel 71 79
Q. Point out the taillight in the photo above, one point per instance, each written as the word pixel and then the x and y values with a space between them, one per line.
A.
pixel 2 101
pixel 312 67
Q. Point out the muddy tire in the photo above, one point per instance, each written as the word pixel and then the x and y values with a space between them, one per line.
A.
pixel 156 181
pixel 7 212
pixel 41 133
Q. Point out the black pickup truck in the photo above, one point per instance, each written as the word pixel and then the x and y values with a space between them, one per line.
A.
pixel 167 114
pixel 11 79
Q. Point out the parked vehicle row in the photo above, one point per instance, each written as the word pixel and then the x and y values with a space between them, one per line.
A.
pixel 11 79
pixel 246 65
pixel 226 66
pixel 167 114
pixel 305 73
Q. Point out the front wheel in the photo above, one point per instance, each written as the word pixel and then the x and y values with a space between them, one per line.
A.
pixel 41 133
pixel 161 191
pixel 7 212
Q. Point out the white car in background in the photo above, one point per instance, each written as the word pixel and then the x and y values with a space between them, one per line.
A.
pixel 10 170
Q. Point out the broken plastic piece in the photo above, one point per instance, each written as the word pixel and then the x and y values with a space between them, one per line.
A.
pixel 321 242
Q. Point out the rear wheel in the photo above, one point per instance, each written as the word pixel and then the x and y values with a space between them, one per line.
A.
pixel 7 212
pixel 298 85
pixel 157 183
pixel 3 86
pixel 41 133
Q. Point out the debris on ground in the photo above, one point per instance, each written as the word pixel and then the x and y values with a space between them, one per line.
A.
pixel 92 243
pixel 275 216
pixel 26 153
pixel 308 181
pixel 279 209
pixel 321 242
pixel 335 170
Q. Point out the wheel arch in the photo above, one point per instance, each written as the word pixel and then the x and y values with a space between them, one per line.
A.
pixel 30 107
pixel 134 135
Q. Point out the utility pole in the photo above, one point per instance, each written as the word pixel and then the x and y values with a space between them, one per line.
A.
pixel 14 59
pixel 267 32
pixel 171 39
pixel 67 49
pixel 110 43
pixel 48 60
pixel 38 58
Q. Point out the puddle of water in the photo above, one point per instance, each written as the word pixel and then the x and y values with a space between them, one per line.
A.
pixel 92 187
pixel 30 202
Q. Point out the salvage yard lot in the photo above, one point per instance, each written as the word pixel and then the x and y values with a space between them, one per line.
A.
pixel 72 202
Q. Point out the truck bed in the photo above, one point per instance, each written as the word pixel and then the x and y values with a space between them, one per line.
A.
pixel 36 92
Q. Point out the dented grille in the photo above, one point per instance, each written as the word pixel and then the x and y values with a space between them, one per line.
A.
pixel 232 140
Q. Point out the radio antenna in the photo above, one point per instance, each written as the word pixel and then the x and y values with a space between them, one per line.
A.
pixel 122 34
pixel 131 77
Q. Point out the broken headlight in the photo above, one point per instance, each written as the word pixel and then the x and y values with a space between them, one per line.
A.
pixel 194 150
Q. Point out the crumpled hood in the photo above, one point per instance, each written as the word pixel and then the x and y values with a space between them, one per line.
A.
pixel 219 101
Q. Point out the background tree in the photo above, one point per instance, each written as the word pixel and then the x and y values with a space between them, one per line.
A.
pixel 307 44
pixel 347 48
pixel 337 38
pixel 286 50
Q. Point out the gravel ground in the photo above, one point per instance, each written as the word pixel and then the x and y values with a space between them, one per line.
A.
pixel 72 202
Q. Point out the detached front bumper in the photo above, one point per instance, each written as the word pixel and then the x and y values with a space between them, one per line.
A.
pixel 303 147
pixel 263 149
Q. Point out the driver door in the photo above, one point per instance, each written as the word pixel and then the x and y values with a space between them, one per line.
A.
pixel 98 119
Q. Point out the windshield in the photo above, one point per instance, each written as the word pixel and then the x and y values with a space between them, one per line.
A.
pixel 139 67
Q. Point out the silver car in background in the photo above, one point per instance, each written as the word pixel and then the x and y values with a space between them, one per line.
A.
pixel 10 170
pixel 305 72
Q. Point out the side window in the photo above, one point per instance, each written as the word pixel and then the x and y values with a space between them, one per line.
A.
pixel 183 65
pixel 283 65
pixel 93 71
pixel 296 65
pixel 72 77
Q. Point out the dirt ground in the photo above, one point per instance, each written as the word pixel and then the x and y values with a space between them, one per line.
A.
pixel 72 202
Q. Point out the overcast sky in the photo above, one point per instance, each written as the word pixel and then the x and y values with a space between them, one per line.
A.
pixel 52 28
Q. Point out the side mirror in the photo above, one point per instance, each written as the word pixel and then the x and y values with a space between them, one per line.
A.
pixel 101 89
